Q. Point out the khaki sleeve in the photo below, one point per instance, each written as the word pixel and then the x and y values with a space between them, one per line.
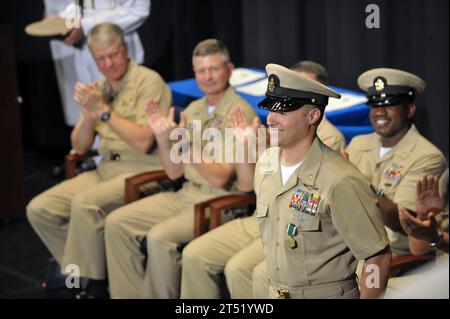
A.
pixel 331 135
pixel 335 142
pixel 339 142
pixel 152 87
pixel 356 217
pixel 405 193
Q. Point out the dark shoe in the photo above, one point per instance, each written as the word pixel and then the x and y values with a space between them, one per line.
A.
pixel 88 295
pixel 96 289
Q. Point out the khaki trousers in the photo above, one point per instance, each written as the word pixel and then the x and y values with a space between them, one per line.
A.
pixel 69 218
pixel 166 219
pixel 261 283
pixel 233 248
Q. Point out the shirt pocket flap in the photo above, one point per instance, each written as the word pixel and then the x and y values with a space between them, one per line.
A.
pixel 310 224
pixel 261 210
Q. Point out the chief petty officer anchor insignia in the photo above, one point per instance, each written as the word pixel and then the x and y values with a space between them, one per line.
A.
pixel 303 202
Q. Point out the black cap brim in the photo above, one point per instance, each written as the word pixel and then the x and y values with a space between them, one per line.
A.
pixel 388 99
pixel 280 105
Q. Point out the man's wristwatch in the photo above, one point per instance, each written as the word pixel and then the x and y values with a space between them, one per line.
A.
pixel 105 116
pixel 438 241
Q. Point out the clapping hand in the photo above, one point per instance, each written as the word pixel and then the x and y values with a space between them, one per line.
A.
pixel 160 125
pixel 420 229
pixel 428 199
pixel 238 120
pixel 90 97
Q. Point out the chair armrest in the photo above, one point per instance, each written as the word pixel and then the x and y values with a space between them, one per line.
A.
pixel 217 205
pixel 71 160
pixel 403 263
pixel 200 222
pixel 226 202
pixel 133 183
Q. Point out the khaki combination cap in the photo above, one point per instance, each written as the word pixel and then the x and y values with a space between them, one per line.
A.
pixel 287 90
pixel 48 27
pixel 386 86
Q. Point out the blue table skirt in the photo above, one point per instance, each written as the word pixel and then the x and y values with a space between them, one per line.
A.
pixel 351 121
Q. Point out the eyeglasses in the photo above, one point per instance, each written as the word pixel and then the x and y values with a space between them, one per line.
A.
pixel 113 56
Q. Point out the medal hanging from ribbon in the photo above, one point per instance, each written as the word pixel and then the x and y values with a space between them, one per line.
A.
pixel 291 231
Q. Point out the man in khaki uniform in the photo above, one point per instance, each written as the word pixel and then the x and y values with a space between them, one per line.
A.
pixel 396 156
pixel 235 247
pixel 431 223
pixel 69 217
pixel 167 219
pixel 317 213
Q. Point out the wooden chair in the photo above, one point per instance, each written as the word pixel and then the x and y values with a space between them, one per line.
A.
pixel 404 263
pixel 73 161
pixel 207 214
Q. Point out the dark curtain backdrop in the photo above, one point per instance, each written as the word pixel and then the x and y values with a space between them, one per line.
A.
pixel 413 36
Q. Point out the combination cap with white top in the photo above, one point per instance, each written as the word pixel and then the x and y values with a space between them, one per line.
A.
pixel 287 90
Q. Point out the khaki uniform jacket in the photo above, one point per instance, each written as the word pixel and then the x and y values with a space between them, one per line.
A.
pixel 334 209
pixel 139 84
pixel 397 172
pixel 219 119
pixel 330 135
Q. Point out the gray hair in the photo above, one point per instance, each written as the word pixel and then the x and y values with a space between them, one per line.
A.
pixel 211 46
pixel 104 34
pixel 312 67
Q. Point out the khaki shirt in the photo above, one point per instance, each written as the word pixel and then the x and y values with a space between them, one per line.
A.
pixel 397 172
pixel 334 209
pixel 330 135
pixel 139 84
pixel 198 110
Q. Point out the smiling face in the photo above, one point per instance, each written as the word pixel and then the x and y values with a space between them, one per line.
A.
pixel 212 73
pixel 392 122
pixel 292 127
pixel 111 59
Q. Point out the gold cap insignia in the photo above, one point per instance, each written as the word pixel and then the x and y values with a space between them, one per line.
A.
pixel 271 85
pixel 379 85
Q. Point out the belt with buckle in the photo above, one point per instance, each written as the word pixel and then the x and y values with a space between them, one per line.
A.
pixel 114 156
pixel 283 293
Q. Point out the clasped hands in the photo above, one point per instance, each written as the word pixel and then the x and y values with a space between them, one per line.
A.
pixel 91 100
